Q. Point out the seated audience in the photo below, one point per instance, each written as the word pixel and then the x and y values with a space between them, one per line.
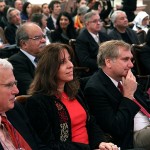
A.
pixel 141 22
pixel 14 20
pixel 65 29
pixel 26 11
pixel 41 20
pixel 115 99
pixel 121 31
pixel 88 41
pixel 16 132
pixel 55 9
pixel 31 40
pixel 52 108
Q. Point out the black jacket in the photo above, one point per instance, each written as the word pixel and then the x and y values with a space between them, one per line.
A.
pixel 44 116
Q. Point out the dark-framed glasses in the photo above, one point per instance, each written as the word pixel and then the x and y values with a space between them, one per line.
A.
pixel 10 84
pixel 38 37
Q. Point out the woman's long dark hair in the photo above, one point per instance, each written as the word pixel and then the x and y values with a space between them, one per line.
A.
pixel 24 7
pixel 45 80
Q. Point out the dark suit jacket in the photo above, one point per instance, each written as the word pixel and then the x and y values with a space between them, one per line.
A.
pixel 114 113
pixel 114 34
pixel 23 71
pixel 10 33
pixel 19 120
pixel 144 57
pixel 50 23
pixel 87 49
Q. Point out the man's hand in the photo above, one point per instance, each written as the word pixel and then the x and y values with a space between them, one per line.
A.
pixel 129 85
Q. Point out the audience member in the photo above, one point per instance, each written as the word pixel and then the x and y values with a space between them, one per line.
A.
pixel 141 22
pixel 106 10
pixel 14 20
pixel 31 40
pixel 65 29
pixel 2 6
pixel 26 11
pixel 18 5
pixel 79 3
pixel 36 9
pixel 40 19
pixel 52 108
pixel 112 95
pixel 12 115
pixel 45 10
pixel 79 18
pixel 121 31
pixel 87 42
pixel 91 3
pixel 128 7
pixel 144 55
pixel 55 9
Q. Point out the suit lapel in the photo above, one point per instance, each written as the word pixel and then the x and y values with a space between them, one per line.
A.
pixel 114 93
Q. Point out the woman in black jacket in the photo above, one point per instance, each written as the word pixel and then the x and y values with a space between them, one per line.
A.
pixel 57 109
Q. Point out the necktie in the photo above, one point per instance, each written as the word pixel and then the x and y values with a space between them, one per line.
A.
pixel 120 87
pixel 142 109
pixel 10 130
pixel 17 140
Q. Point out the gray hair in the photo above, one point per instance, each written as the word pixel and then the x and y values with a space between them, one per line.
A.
pixel 115 15
pixel 82 10
pixel 4 64
pixel 88 15
pixel 110 49
pixel 8 13
pixel 21 33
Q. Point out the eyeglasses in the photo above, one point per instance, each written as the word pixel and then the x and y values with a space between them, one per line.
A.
pixel 38 37
pixel 10 85
pixel 96 21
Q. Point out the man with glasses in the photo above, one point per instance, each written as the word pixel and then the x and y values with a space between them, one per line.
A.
pixel 88 41
pixel 12 115
pixel 31 40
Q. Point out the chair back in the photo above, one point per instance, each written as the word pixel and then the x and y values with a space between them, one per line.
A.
pixel 77 67
pixel 141 36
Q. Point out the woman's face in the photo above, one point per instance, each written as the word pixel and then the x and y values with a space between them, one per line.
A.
pixel 29 9
pixel 64 22
pixel 44 22
pixel 145 21
pixel 65 72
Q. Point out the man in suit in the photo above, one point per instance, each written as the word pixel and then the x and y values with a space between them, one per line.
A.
pixel 121 31
pixel 88 41
pixel 55 9
pixel 115 109
pixel 31 40
pixel 14 21
pixel 13 114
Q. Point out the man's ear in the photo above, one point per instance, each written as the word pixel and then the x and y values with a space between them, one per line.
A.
pixel 108 62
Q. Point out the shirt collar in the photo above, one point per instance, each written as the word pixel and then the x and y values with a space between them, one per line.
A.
pixel 31 57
